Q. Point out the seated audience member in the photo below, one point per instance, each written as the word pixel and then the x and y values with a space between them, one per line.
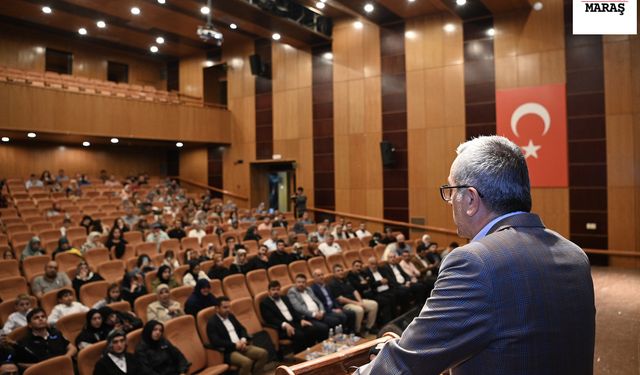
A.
pixel 430 258
pixel 348 230
pixel 51 280
pixel 252 234
pixel 197 231
pixel 170 260
pixel 157 235
pixel 115 360
pixel 47 179
pixel 351 300
pixel 452 246
pixel 305 218
pixel 339 233
pixel 408 267
pixel 67 305
pixel 93 330
pixel 144 264
pixel 216 228
pixel 122 320
pixel 329 301
pixel 218 270
pixel 86 223
pixel 425 242
pixel 8 367
pixel 329 247
pixel 361 280
pixel 113 295
pixel 97 226
pixel 382 284
pixel 260 261
pixel 93 242
pixel 84 275
pixel 321 234
pixel 164 276
pixel 64 246
pixel 280 222
pixel 33 248
pixel 61 177
pixel 157 354
pixel 240 263
pixel 298 227
pixel 193 274
pixel 200 299
pixel 112 182
pixel 227 335
pixel 53 211
pixel 230 247
pixel 271 242
pixel 18 318
pixel 73 190
pixel 189 255
pixel 33 182
pixel 266 224
pixel 400 278
pixel 297 252
pixel 132 286
pixel 116 244
pixel 279 314
pixel 130 218
pixel 362 231
pixel 177 230
pixel 309 306
pixel 280 256
pixel 8 255
pixel 396 247
pixel 313 247
pixel 66 224
pixel 164 308
pixel 41 342
pixel 375 240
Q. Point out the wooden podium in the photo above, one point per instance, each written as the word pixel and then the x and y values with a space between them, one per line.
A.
pixel 338 363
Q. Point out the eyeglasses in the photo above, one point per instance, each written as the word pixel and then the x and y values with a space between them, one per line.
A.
pixel 446 191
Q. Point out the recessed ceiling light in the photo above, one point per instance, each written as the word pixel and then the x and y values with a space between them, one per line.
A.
pixel 154 49
pixel 320 5
pixel 5 139
pixel 115 140
pixel 368 7
pixel 327 56
pixel 537 6
pixel 86 144
pixel 358 25
pixel 179 144
pixel 160 40
pixel 449 27
pixel 233 26
pixel 101 24
pixel 209 63
pixel 47 10
pixel 411 1
pixel 161 1
pixel 31 135
pixel 491 32
pixel 205 10
pixel 82 31
pixel 276 36
pixel 410 34
pixel 461 2
pixel 135 11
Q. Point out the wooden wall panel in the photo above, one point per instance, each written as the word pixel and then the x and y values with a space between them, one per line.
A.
pixel 191 75
pixel 38 109
pixel 23 48
pixel 194 165
pixel 19 160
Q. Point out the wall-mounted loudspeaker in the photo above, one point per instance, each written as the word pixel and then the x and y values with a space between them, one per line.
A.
pixel 388 153
pixel 256 64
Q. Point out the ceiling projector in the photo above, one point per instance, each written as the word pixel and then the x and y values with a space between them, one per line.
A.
pixel 209 33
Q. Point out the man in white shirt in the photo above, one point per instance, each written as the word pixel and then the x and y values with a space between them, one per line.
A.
pixel 320 234
pixel 272 242
pixel 266 224
pixel 18 318
pixel 330 247
pixel 67 305
pixel 157 235
pixel 197 231
pixel 362 231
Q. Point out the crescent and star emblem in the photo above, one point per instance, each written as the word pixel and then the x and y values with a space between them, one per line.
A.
pixel 530 149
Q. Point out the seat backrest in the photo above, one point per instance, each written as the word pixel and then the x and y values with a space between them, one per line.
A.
pixel 351 256
pixel 71 325
pixel 76 233
pixel 216 288
pixel 89 356
pixel 49 300
pixel 97 256
pixel 235 286
pixel 9 268
pixel 7 307
pixel 280 273
pixel 181 332
pixel 133 339
pixel 148 248
pixel 203 317
pixel 379 250
pixel 297 267
pixel 243 309
pixel 257 299
pixel 318 262
pixel 10 287
pixel 33 266
pixel 112 271
pixel 354 243
pixel 49 235
pixel 122 306
pixel 93 292
pixel 67 260
pixel 19 334
pixel 210 238
pixel 179 272
pixel 141 303
pixel 366 253
pixel 60 365
pixel 344 245
pixel 171 244
pixel 251 246
pixel 190 243
pixel 257 281
pixel 133 237
pixel 181 294
pixel 334 259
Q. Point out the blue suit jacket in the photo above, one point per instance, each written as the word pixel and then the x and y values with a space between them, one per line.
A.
pixel 519 301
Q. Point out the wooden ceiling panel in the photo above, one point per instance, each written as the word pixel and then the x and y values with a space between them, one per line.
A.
pixel 406 9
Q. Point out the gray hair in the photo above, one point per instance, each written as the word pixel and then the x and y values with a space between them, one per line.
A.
pixel 496 167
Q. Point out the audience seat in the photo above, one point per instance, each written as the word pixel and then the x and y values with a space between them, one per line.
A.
pixel 181 294
pixel 251 246
pixel 95 257
pixel 74 233
pixel 8 307
pixel 189 243
pixel 49 235
pixel 216 288
pixel 299 267
pixel 350 257
pixel 235 286
pixel 93 292
pixel 129 253
pixel 257 281
pixel 60 365
pixel 210 238
pixel 243 310
pixel 366 253
pixel 273 333
pixel 34 266
pixel 280 273
pixel 133 339
pixel 172 244
pixel 318 262
pixel 67 260
pixel 39 226
pixel 9 268
pixel 19 334
pixel 179 273
pixel 354 243
pixel 344 245
pixel 11 287
pixel 89 356
pixel 49 300
pixel 71 325
pixel 141 303
pixel 201 320
pixel 122 306
pixel 133 237
pixel 148 248
pixel 334 259
pixel 206 265
pixel 112 271
pixel 379 250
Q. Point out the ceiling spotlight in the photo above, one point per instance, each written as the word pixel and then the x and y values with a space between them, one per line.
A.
pixel 368 7
pixel 491 32
pixel 86 144
pixel 5 139
pixel 537 6
pixel 161 1
pixel 449 27
pixel 209 63
pixel 205 10
pixel 320 5
pixel 327 56
pixel 31 135
pixel 154 49
pixel 276 36
pixel 323 1
pixel 358 25
pixel 411 1
pixel 101 24
pixel 46 10
pixel 135 11
pixel 179 144
pixel 233 26
pixel 82 31
pixel 160 40
pixel 115 140
pixel 461 2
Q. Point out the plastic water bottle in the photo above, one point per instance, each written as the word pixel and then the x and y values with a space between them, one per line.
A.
pixel 331 334
pixel 339 332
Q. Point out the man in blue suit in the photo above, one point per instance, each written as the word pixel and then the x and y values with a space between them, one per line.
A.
pixel 518 299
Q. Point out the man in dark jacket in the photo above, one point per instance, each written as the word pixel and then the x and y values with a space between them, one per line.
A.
pixel 278 313
pixel 321 290
pixel 227 335
pixel 42 342
pixel 363 282
pixel 280 256
pixel 385 283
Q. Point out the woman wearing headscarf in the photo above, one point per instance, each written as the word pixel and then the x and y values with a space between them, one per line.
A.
pixel 32 248
pixel 84 275
pixel 132 286
pixel 65 246
pixel 239 264
pixel 218 270
pixel 164 308
pixel 93 241
pixel 193 274
pixel 115 360
pixel 113 295
pixel 114 319
pixel 144 264
pixel 201 298
pixel 164 276
pixel 252 234
pixel 93 330
pixel 86 223
pixel 157 354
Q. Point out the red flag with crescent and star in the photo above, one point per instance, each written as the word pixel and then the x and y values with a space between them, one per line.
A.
pixel 535 118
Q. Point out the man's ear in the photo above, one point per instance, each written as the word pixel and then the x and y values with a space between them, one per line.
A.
pixel 472 199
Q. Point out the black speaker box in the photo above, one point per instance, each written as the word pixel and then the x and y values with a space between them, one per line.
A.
pixel 256 65
pixel 399 324
pixel 388 153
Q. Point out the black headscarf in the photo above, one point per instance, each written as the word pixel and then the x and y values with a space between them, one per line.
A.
pixel 197 301
pixel 89 333
pixel 146 334
pixel 161 270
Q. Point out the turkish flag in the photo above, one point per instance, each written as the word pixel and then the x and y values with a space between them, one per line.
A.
pixel 535 118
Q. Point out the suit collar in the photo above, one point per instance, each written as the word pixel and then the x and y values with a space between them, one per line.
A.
pixel 526 220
